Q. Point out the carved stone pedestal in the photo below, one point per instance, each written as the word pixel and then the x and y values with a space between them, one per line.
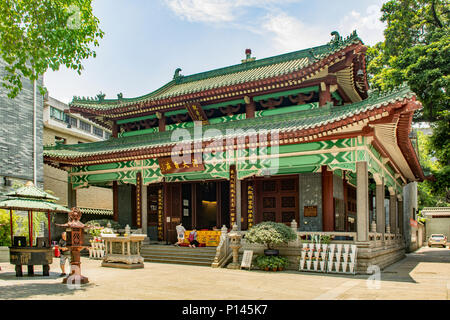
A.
pixel 123 252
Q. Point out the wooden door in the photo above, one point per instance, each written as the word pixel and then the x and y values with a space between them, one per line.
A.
pixel 278 199
pixel 173 211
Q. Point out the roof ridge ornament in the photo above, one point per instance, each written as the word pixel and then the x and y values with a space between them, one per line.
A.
pixel 101 96
pixel 248 56
pixel 338 41
pixel 177 75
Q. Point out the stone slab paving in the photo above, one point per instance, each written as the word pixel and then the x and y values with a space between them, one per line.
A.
pixel 423 275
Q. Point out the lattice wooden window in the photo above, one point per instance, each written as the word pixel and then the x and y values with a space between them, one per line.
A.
pixel 269 216
pixel 288 202
pixel 269 186
pixel 269 202
pixel 287 216
pixel 288 184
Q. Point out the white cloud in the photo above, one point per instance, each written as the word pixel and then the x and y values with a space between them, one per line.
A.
pixel 217 11
pixel 368 25
pixel 202 10
pixel 290 34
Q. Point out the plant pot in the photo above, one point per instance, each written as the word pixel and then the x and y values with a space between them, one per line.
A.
pixel 271 252
pixel 280 268
pixel 274 269
pixel 266 269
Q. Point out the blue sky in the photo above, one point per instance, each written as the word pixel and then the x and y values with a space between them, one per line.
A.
pixel 146 40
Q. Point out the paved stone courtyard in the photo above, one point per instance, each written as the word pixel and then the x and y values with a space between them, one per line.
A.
pixel 423 275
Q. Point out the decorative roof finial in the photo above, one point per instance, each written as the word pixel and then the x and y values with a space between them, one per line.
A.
pixel 101 96
pixel 120 96
pixel 248 56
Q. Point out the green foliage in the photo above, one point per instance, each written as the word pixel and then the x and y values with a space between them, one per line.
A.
pixel 271 262
pixel 433 193
pixel 416 50
pixel 270 234
pixel 104 223
pixel 5 233
pixel 38 35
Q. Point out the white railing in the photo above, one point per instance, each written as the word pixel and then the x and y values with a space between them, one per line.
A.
pixel 332 234
pixel 223 250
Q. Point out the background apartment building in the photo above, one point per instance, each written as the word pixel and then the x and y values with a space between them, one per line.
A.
pixel 60 127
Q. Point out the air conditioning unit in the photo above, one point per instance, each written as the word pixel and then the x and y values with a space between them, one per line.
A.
pixel 7 182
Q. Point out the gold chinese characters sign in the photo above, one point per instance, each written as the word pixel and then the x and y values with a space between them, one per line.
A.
pixel 160 214
pixel 250 205
pixel 197 113
pixel 310 211
pixel 168 166
pixel 138 200
pixel 232 195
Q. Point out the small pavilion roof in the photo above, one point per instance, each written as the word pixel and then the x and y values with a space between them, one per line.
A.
pixel 31 191
pixel 26 204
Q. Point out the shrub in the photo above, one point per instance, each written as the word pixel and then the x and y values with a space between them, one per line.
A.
pixel 98 225
pixel 270 234
pixel 271 262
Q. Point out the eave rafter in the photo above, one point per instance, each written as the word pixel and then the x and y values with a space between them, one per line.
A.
pixel 330 131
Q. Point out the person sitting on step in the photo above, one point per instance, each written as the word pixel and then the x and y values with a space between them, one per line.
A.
pixel 193 239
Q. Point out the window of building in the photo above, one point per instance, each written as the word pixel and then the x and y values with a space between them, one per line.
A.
pixel 57 114
pixel 107 135
pixel 60 140
pixel 98 132
pixel 72 121
pixel 85 126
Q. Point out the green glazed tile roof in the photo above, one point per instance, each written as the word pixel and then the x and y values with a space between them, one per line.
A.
pixel 299 120
pixel 30 191
pixel 24 204
pixel 96 211
pixel 232 75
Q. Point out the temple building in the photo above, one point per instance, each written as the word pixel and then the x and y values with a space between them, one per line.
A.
pixel 296 136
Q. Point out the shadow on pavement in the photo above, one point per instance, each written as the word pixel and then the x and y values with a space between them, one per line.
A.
pixel 401 270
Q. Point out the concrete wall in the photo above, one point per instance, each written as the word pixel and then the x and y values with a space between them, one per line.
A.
pixel 92 197
pixel 16 132
pixel 125 207
pixel 438 225
pixel 310 188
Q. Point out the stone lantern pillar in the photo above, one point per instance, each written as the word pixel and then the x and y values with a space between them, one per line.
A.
pixel 235 245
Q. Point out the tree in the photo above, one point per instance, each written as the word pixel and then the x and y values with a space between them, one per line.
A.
pixel 38 35
pixel 431 193
pixel 416 50
pixel 270 234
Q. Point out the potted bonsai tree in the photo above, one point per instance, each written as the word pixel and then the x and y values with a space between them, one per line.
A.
pixel 270 234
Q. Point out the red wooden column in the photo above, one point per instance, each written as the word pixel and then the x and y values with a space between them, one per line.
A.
pixel 327 200
pixel 115 201
pixel 30 227
pixel 49 229
pixel 345 188
pixel 11 225
pixel 324 94
pixel 250 108
pixel 115 130
pixel 161 122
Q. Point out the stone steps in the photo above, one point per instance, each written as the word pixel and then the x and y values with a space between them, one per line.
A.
pixel 178 255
